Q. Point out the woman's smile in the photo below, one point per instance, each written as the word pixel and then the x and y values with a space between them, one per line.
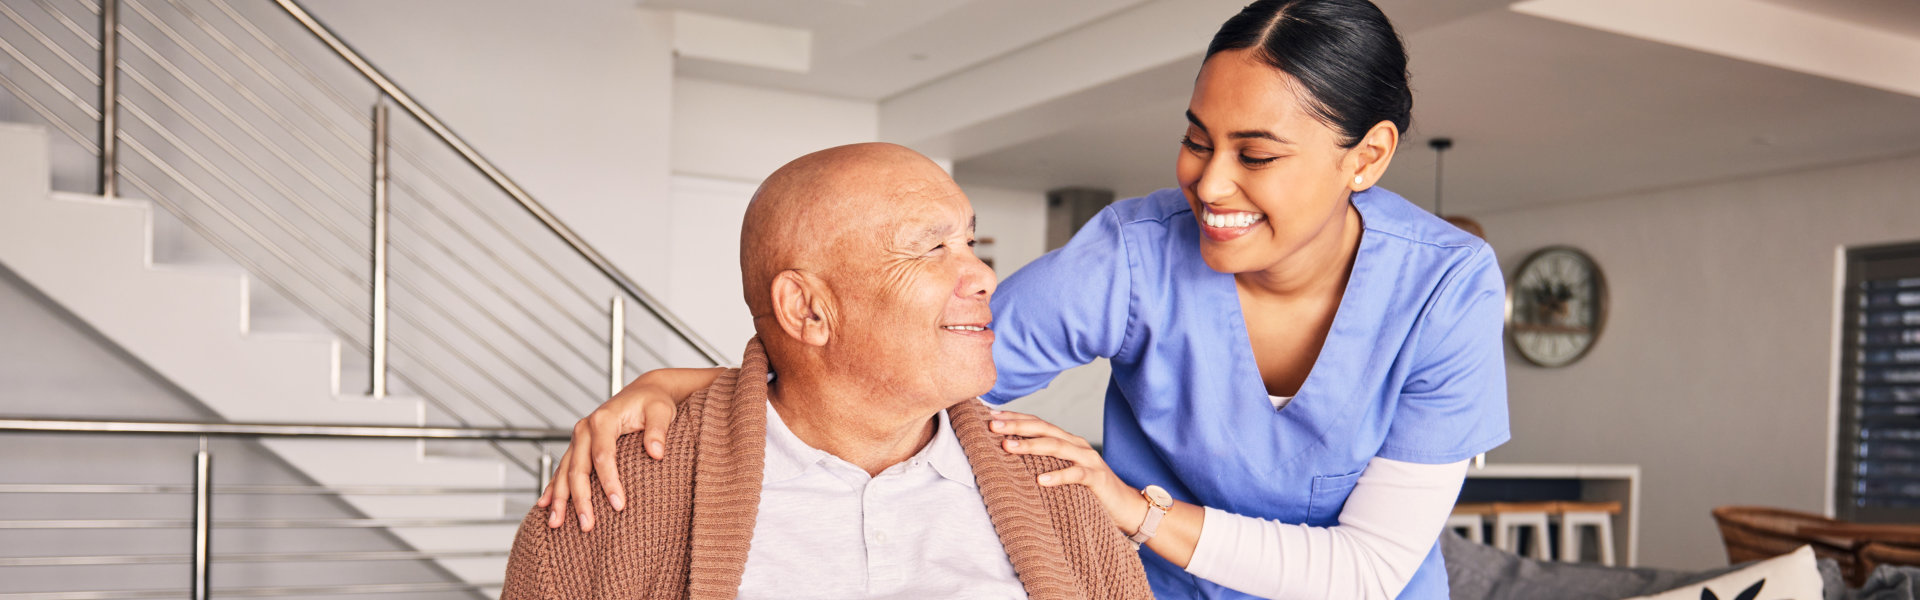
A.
pixel 1226 225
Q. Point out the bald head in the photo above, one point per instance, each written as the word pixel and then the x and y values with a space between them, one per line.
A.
pixel 831 206
pixel 859 268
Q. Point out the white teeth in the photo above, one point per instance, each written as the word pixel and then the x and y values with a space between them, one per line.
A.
pixel 1231 221
pixel 963 328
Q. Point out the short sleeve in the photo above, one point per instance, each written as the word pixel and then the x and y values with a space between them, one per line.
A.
pixel 1062 310
pixel 1453 404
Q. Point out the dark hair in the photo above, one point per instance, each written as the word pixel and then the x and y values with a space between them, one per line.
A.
pixel 1344 52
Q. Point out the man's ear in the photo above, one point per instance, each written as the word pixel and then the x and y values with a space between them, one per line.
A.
pixel 801 306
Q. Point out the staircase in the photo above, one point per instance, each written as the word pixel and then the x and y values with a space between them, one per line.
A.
pixel 191 323
pixel 233 259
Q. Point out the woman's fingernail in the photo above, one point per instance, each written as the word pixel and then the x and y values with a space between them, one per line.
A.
pixel 618 502
pixel 1046 478
pixel 585 521
pixel 553 520
pixel 657 449
pixel 1013 443
pixel 999 424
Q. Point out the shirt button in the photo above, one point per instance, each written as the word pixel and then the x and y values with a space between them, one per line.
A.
pixel 880 537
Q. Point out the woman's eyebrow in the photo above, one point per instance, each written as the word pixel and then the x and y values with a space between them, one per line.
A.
pixel 1247 134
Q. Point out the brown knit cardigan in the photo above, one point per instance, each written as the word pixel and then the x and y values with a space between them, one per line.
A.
pixel 689 518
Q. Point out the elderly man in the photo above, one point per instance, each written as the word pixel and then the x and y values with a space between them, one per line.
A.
pixel 847 456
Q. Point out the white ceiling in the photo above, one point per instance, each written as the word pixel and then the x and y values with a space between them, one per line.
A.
pixel 873 49
pixel 1541 110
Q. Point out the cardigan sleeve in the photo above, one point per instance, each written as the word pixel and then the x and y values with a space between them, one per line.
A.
pixel 530 564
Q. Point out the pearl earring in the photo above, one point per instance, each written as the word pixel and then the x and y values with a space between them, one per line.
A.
pixel 1358 179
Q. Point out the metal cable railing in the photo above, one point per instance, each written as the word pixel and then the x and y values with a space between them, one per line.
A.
pixel 204 520
pixel 271 139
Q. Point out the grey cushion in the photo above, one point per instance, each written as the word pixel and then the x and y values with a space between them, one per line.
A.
pixel 1482 572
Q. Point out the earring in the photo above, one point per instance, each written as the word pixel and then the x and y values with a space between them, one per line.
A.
pixel 1358 179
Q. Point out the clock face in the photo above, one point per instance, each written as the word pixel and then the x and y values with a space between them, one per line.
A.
pixel 1556 306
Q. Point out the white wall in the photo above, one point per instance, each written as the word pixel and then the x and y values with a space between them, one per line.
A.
pixel 744 133
pixel 1715 372
pixel 573 100
pixel 726 139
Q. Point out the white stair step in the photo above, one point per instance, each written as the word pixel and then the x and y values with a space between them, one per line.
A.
pixel 149 285
pixel 268 311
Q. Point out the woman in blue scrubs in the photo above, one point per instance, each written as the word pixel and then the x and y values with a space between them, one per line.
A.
pixel 1302 362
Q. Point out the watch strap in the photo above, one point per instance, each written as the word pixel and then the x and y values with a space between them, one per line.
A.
pixel 1151 524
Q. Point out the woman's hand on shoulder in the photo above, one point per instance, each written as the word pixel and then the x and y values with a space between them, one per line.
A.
pixel 647 406
pixel 1122 502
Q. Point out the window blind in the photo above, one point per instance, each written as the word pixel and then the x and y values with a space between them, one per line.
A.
pixel 1880 386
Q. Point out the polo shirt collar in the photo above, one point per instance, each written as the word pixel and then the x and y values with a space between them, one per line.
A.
pixel 788 456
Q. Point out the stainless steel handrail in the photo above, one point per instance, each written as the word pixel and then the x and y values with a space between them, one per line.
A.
pixel 176 559
pixel 245 523
pixel 283 430
pixel 202 522
pixel 500 179
pixel 257 592
pixel 281 490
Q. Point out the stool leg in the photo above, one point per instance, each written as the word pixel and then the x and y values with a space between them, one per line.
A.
pixel 1502 533
pixel 1569 540
pixel 1540 549
pixel 1604 528
pixel 1474 533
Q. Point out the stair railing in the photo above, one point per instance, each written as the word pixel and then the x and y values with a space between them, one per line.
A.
pixel 200 554
pixel 264 133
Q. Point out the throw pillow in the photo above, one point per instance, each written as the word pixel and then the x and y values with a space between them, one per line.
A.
pixel 1792 576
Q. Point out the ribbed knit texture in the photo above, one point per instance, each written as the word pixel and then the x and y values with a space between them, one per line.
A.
pixel 689 518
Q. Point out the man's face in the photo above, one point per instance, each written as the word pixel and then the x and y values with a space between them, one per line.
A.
pixel 915 296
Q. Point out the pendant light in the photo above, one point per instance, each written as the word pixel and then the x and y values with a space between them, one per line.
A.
pixel 1439 146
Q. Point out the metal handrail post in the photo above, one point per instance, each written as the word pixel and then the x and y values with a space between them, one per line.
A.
pixel 379 341
pixel 616 351
pixel 202 520
pixel 546 473
pixel 109 97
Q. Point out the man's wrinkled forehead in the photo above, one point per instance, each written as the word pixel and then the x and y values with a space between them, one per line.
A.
pixel 924 220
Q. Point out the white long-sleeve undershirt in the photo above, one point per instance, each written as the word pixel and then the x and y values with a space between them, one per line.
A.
pixel 1390 522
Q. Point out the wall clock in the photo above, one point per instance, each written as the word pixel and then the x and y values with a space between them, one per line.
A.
pixel 1556 306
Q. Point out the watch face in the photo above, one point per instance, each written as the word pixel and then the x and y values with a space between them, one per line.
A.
pixel 1158 495
pixel 1556 306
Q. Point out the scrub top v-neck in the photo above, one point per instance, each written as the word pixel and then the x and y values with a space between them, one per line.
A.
pixel 1412 369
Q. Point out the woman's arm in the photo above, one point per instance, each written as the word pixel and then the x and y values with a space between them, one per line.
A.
pixel 647 404
pixel 1389 524
pixel 1062 310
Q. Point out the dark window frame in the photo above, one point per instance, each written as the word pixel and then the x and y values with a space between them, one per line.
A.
pixel 1863 264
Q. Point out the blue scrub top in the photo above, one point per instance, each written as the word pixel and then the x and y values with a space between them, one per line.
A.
pixel 1412 370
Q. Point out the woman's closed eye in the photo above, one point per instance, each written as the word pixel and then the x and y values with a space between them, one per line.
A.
pixel 1200 150
pixel 1194 147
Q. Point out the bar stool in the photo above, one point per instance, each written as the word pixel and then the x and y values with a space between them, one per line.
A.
pixel 1511 516
pixel 1470 518
pixel 1576 518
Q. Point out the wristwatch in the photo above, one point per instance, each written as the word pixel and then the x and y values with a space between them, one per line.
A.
pixel 1158 503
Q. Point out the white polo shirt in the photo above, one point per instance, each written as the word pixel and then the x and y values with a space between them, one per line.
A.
pixel 917 530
